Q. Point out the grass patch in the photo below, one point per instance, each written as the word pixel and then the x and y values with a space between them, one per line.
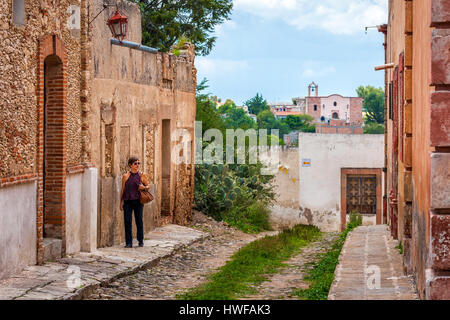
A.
pixel 251 219
pixel 399 247
pixel 321 275
pixel 250 265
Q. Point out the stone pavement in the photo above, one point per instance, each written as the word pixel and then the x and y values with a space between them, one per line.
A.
pixel 76 276
pixel 189 267
pixel 370 268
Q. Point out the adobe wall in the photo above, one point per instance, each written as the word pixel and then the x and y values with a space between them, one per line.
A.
pixel 132 93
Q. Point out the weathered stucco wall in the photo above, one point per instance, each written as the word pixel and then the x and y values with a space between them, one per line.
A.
pixel 320 184
pixel 18 228
pixel 285 211
pixel 132 93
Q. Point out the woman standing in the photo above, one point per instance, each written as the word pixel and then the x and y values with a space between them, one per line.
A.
pixel 132 182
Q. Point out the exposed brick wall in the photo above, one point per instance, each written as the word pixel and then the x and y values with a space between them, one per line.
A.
pixel 356 110
pixel 311 101
pixel 51 93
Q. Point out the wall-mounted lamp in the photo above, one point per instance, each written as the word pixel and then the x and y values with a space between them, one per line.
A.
pixel 118 25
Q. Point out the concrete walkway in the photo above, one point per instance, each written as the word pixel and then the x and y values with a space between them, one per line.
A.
pixel 76 276
pixel 370 268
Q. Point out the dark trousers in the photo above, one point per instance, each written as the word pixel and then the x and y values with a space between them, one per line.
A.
pixel 128 207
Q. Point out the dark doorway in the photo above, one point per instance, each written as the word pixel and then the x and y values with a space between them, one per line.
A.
pixel 166 168
pixel 54 182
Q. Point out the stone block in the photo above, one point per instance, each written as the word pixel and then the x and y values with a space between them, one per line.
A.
pixel 439 289
pixel 408 118
pixel 408 190
pixel 407 151
pixel 52 249
pixel 408 17
pixel 408 50
pixel 440 12
pixel 440 180
pixel 440 57
pixel 440 241
pixel 440 118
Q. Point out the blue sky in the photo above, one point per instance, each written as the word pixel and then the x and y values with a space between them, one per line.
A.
pixel 278 47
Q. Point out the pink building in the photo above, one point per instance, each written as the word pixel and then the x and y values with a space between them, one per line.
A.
pixel 333 107
pixel 334 113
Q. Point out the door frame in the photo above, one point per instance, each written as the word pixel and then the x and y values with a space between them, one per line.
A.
pixel 378 172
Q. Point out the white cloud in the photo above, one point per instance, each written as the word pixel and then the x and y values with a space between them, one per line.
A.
pixel 316 69
pixel 214 67
pixel 227 25
pixel 334 16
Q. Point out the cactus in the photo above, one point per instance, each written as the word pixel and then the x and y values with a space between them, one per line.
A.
pixel 232 196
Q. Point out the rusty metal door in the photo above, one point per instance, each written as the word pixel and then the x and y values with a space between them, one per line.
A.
pixel 362 194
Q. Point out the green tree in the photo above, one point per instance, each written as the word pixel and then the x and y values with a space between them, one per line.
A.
pixel 299 122
pixel 256 104
pixel 373 103
pixel 227 107
pixel 206 110
pixel 164 22
pixel 236 118
pixel 374 128
pixel 266 120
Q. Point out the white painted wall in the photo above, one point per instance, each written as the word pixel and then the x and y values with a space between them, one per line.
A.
pixel 17 228
pixel 81 211
pixel 73 212
pixel 320 184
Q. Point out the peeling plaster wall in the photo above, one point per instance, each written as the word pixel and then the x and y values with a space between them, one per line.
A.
pixel 285 212
pixel 132 93
pixel 18 228
pixel 320 184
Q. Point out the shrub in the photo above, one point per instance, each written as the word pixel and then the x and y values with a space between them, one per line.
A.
pixel 355 220
pixel 249 218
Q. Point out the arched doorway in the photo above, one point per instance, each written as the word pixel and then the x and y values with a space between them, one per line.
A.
pixel 54 155
pixel 335 115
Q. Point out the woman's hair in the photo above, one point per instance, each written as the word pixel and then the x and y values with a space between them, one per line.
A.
pixel 132 160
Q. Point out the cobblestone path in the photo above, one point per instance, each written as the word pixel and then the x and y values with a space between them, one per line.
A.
pixel 280 285
pixel 368 252
pixel 187 268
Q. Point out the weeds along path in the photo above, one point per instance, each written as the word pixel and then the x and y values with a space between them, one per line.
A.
pixel 187 268
pixel 281 285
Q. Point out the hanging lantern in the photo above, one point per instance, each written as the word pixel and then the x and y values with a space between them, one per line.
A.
pixel 118 25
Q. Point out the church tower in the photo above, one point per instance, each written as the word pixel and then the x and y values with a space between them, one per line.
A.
pixel 313 89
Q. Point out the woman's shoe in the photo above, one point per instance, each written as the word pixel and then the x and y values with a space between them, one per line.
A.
pixel 129 246
pixel 141 244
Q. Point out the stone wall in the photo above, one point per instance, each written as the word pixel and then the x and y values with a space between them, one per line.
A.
pixel 132 93
pixel 41 34
pixel 417 139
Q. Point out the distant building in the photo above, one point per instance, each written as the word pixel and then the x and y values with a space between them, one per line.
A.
pixel 282 110
pixel 333 113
